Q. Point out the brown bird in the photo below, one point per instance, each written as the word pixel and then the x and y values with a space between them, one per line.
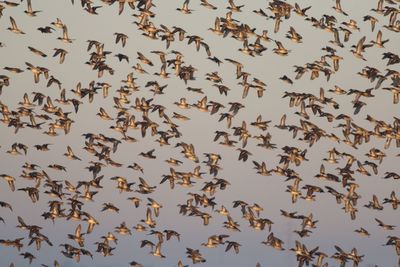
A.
pixel 14 28
pixel 30 11
pixel 61 53
pixel 185 8
pixel 385 226
pixel 65 38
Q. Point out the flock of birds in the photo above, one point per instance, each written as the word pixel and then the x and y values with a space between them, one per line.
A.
pixel 136 118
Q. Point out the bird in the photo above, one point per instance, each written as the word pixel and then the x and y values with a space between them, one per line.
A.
pixel 233 7
pixel 294 36
pixel 148 154
pixel 30 11
pixel 58 23
pixel 14 28
pixel 280 50
pixel 78 236
pixel 393 200
pixel 121 37
pixel 28 256
pixel 155 205
pixel 65 38
pixel 5 205
pixel 185 8
pixel 301 11
pixel 144 59
pixel 122 57
pixel 46 29
pixel 104 115
pixel 274 242
pixel 385 226
pixel 379 42
pixel 261 168
pixel 362 232
pixel 338 8
pixel 372 20
pixel 70 154
pixel 61 53
pixel 359 49
pixel 10 181
pixel 206 4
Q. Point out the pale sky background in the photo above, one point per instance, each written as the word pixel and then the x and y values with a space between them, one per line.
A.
pixel 334 226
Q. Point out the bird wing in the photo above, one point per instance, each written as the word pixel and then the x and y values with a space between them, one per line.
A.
pixel 279 44
pixel 65 32
pixel 13 24
pixel 78 230
pixel 338 6
pixel 379 37
pixel 29 3
pixel 360 43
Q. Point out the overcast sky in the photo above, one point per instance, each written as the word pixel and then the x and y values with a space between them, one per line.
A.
pixel 334 226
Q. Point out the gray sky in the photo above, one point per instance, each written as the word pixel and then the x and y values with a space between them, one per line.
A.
pixel 334 226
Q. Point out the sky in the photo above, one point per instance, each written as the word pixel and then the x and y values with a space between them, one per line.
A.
pixel 334 226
